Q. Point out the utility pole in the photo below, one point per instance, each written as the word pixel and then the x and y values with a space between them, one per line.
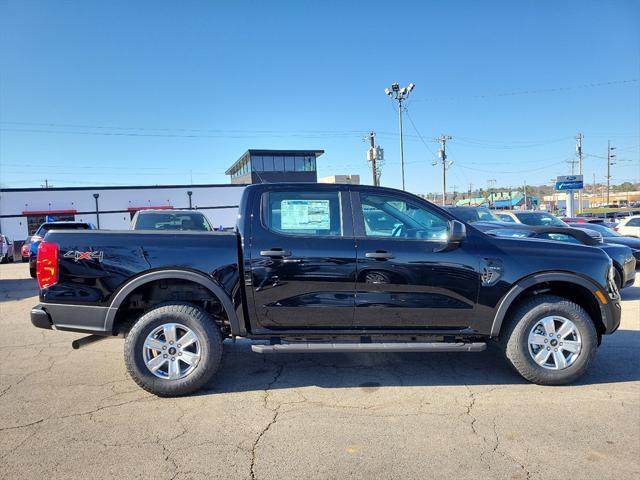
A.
pixel 400 95
pixel 46 184
pixel 491 184
pixel 525 195
pixel 470 188
pixel 579 155
pixel 442 154
pixel 375 155
pixel 610 157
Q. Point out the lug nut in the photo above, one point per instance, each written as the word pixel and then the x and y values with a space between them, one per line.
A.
pixel 165 355
pixel 173 358
pixel 171 342
pixel 164 347
pixel 555 349
pixel 548 348
pixel 545 340
pixel 179 346
pixel 179 353
pixel 560 343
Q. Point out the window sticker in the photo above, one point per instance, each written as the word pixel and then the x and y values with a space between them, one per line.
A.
pixel 305 215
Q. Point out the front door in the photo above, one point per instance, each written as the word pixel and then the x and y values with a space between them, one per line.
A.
pixel 303 259
pixel 408 274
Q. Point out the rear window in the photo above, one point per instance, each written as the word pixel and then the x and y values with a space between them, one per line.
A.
pixel 62 226
pixel 173 221
pixel 634 222
pixel 539 218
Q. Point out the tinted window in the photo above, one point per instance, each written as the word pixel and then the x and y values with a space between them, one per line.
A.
pixel 304 213
pixel 173 221
pixel 470 215
pixel 604 231
pixel 559 237
pixel 387 216
pixel 539 218
pixel 508 232
pixel 62 226
pixel 634 222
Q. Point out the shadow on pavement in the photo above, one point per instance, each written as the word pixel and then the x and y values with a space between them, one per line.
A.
pixel 17 289
pixel 617 360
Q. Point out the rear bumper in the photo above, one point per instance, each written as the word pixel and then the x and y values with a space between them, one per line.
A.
pixel 72 318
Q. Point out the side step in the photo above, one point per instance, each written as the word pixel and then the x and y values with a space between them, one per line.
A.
pixel 369 347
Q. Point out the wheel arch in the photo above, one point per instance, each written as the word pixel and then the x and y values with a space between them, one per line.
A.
pixel 568 285
pixel 173 274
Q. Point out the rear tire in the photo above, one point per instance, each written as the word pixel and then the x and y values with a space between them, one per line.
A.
pixel 549 340
pixel 154 343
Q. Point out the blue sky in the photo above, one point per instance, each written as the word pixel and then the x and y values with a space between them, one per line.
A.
pixel 152 92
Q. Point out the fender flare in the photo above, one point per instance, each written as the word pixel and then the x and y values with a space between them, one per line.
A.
pixel 206 282
pixel 535 279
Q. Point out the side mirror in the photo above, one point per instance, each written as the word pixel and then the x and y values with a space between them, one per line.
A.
pixel 458 232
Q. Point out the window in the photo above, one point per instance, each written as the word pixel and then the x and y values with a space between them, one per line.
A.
pixel 267 164
pixel 256 164
pixel 278 164
pixel 505 218
pixel 559 237
pixel 34 221
pixel 508 232
pixel 634 222
pixel 289 164
pixel 540 218
pixel 172 221
pixel 304 213
pixel 386 216
pixel 309 164
pixel 299 164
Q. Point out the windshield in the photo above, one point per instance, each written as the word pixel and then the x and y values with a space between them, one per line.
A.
pixel 44 228
pixel 604 231
pixel 173 221
pixel 539 218
pixel 471 215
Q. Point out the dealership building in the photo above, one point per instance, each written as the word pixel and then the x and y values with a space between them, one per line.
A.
pixel 23 210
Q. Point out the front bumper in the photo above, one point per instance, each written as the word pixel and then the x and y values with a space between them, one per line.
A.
pixel 611 315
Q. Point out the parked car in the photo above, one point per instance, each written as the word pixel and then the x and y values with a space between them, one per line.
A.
pixel 305 272
pixel 42 231
pixel 596 220
pixel 6 249
pixel 629 226
pixel 612 237
pixel 25 249
pixel 473 214
pixel 534 217
pixel 622 256
pixel 170 220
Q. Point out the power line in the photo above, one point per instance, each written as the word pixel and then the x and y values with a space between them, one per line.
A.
pixel 532 91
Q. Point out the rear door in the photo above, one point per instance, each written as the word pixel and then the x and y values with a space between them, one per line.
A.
pixel 408 276
pixel 303 258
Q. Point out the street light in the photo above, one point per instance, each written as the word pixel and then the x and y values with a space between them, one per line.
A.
pixel 400 95
pixel 96 196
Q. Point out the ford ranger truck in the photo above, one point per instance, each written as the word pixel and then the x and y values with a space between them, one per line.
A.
pixel 327 268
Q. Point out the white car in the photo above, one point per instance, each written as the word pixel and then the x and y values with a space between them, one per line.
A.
pixel 6 249
pixel 629 226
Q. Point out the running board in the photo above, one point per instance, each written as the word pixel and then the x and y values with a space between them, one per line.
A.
pixel 369 347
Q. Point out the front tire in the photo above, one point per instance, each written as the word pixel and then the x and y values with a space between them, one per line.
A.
pixel 173 349
pixel 549 340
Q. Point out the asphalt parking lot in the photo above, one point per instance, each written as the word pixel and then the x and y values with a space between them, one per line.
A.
pixel 76 414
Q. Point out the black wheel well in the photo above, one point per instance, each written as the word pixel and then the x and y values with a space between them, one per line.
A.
pixel 571 291
pixel 146 296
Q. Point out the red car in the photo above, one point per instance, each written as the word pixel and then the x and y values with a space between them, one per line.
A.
pixel 24 250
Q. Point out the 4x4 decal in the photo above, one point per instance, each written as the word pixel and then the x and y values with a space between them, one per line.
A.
pixel 77 256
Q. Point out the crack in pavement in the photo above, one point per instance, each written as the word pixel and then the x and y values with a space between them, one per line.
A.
pixel 274 419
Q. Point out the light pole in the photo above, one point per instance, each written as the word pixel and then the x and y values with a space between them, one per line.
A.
pixel 400 94
pixel 190 193
pixel 96 195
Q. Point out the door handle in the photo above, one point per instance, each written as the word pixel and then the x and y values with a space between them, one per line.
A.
pixel 379 255
pixel 275 252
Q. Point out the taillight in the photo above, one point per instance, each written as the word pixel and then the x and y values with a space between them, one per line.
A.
pixel 25 250
pixel 47 264
pixel 615 229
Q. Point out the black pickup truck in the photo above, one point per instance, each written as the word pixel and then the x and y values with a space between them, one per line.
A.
pixel 327 268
